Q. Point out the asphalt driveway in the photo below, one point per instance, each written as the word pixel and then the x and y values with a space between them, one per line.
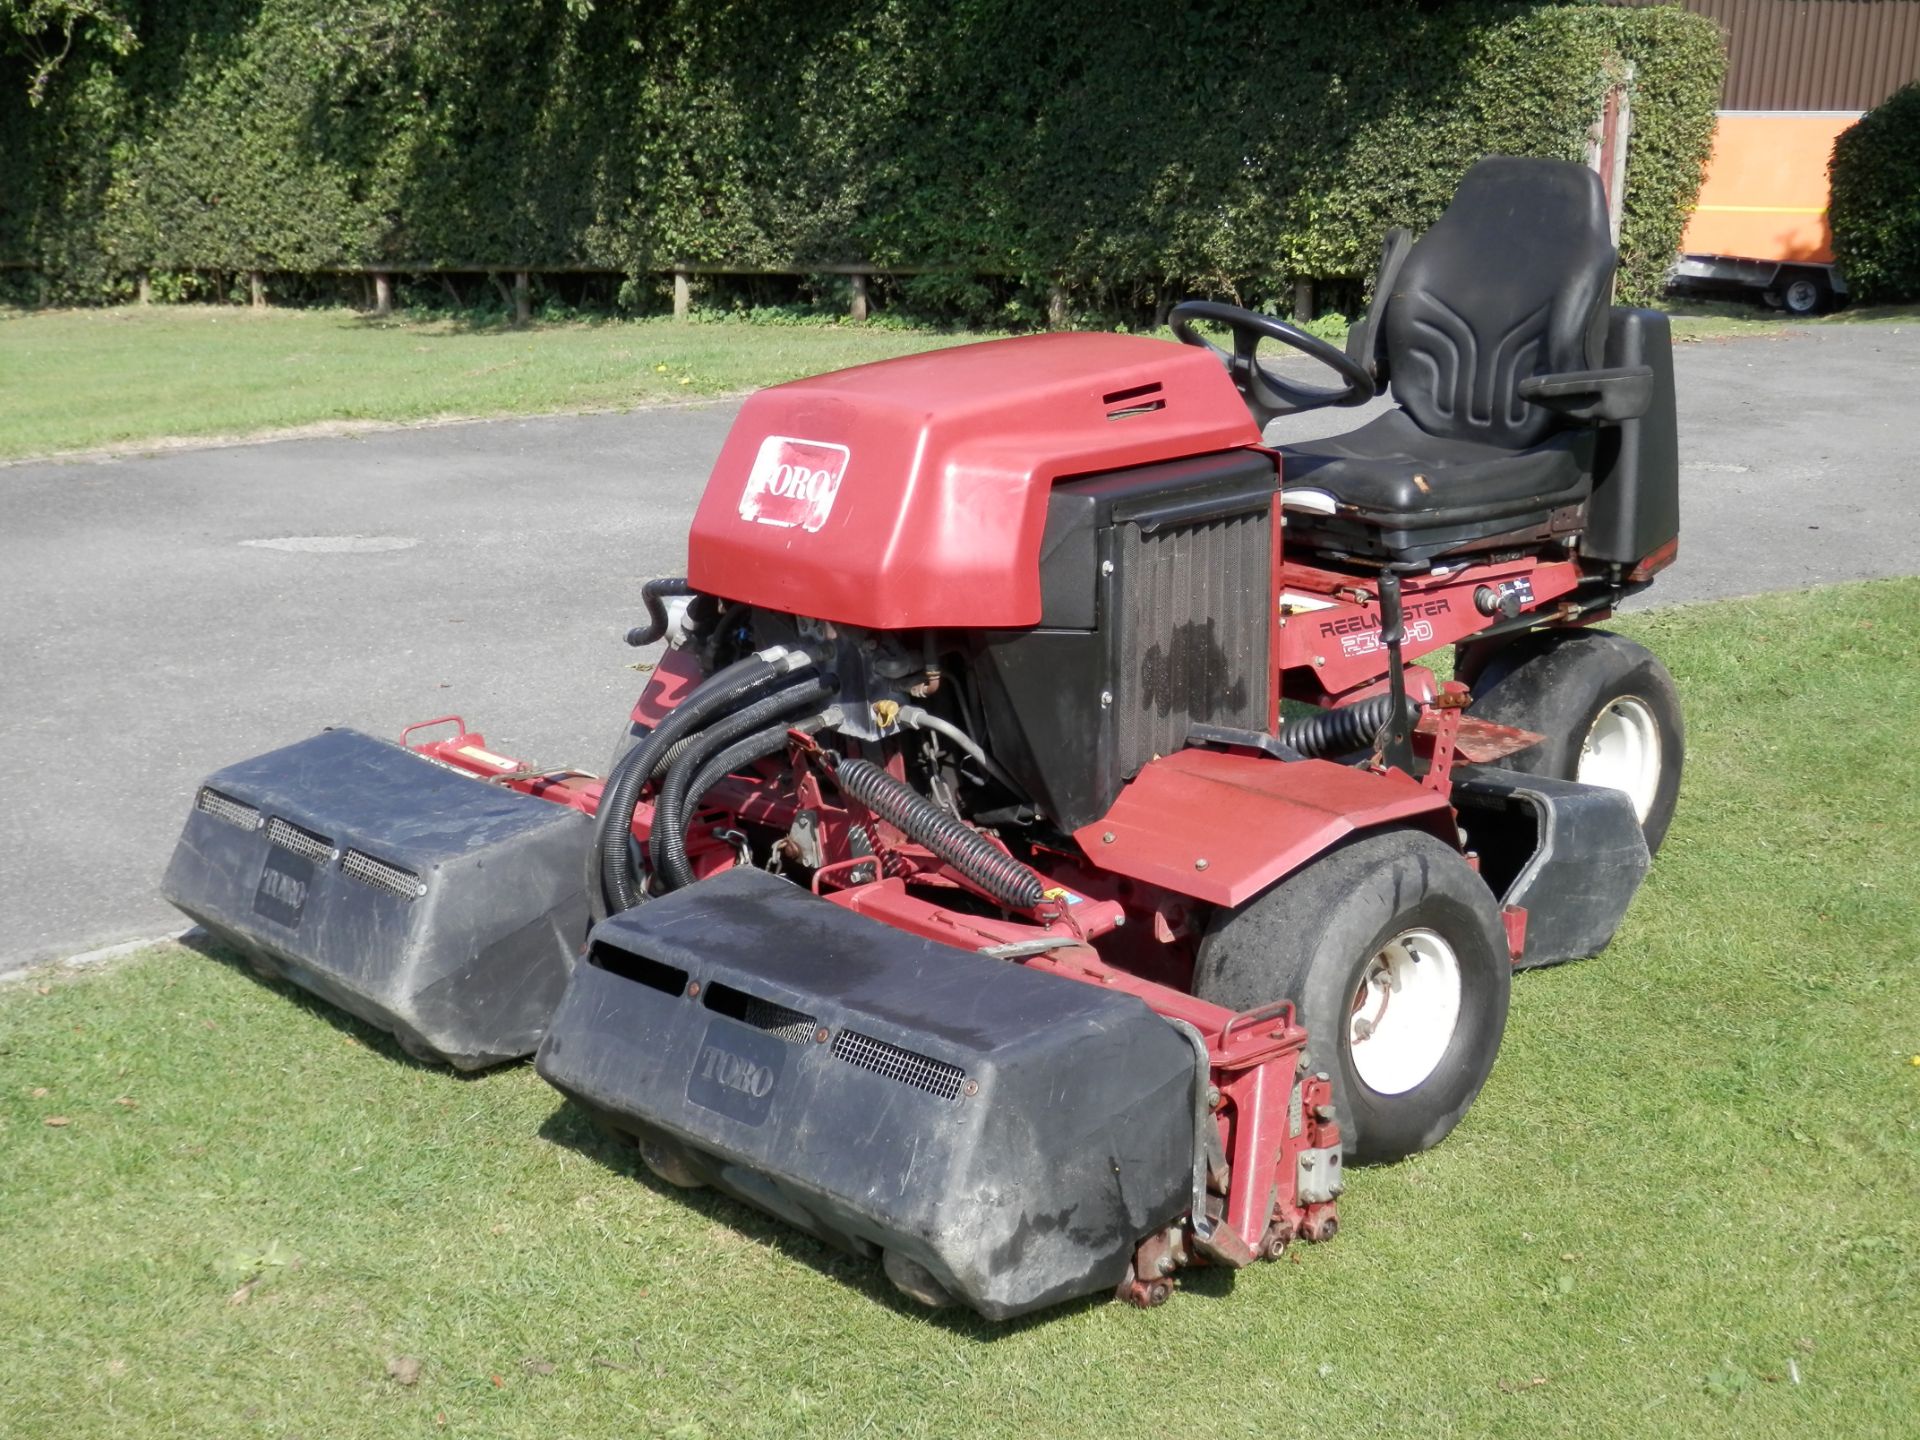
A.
pixel 161 616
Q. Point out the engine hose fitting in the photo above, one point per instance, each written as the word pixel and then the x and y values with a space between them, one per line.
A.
pixel 668 842
pixel 1006 879
pixel 1336 732
pixel 654 593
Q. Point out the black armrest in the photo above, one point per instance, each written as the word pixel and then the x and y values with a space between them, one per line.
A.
pixel 1622 393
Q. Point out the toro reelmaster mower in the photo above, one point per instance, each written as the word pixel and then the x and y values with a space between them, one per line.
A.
pixel 960 892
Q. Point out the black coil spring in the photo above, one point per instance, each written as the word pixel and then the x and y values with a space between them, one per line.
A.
pixel 972 854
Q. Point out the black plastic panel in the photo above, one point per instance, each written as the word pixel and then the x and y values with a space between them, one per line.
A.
pixel 1635 507
pixel 1014 1133
pixel 439 907
pixel 1156 584
pixel 1571 855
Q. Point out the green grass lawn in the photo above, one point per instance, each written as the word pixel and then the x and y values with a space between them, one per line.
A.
pixel 86 379
pixel 1694 1177
pixel 79 380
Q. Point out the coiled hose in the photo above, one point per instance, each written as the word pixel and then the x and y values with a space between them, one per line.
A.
pixel 654 593
pixel 668 843
pixel 612 885
pixel 1335 732
pixel 972 854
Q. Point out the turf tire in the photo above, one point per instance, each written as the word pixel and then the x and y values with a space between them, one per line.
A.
pixel 1557 683
pixel 1310 939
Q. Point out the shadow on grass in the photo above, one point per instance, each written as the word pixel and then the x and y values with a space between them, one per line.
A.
pixel 574 1127
pixel 381 1042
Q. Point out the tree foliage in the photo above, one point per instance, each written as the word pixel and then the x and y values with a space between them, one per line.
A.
pixel 1875 204
pixel 1129 150
pixel 42 32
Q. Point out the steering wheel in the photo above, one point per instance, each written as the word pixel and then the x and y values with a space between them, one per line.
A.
pixel 1268 395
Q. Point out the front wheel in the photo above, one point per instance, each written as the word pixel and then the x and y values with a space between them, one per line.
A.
pixel 1394 956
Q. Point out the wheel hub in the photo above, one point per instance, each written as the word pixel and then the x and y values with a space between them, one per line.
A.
pixel 1622 752
pixel 1404 1012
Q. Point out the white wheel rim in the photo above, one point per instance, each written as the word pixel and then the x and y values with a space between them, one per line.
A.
pixel 1404 1012
pixel 1622 752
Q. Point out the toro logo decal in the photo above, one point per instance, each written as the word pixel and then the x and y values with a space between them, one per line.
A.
pixel 736 1069
pixel 793 482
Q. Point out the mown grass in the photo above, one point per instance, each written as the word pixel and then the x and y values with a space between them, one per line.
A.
pixel 78 380
pixel 1688 1203
pixel 87 379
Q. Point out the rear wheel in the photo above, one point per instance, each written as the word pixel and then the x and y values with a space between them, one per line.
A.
pixel 1608 710
pixel 1392 952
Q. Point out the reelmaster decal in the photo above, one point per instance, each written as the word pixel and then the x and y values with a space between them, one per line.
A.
pixel 1360 634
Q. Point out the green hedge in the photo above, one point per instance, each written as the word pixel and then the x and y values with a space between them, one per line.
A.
pixel 1128 151
pixel 1875 204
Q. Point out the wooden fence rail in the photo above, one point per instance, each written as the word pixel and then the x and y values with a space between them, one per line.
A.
pixel 519 297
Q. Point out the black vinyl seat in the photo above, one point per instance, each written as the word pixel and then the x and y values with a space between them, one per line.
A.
pixel 1492 332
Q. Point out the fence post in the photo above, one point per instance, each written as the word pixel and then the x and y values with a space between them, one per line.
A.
pixel 144 287
pixel 382 293
pixel 1056 306
pixel 522 299
pixel 1302 300
pixel 682 295
pixel 857 309
pixel 257 289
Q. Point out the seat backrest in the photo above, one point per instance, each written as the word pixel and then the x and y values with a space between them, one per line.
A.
pixel 1512 281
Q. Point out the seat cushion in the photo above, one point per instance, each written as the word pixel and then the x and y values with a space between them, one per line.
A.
pixel 1396 490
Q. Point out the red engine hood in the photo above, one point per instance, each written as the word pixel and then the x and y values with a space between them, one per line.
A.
pixel 913 492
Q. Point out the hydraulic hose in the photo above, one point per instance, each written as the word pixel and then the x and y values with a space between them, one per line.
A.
pixel 1335 732
pixel 757 746
pixel 1010 882
pixel 611 882
pixel 668 842
pixel 654 593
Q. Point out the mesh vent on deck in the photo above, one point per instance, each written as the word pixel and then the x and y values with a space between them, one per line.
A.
pixel 304 843
pixel 223 807
pixel 382 876
pixel 794 1025
pixel 909 1067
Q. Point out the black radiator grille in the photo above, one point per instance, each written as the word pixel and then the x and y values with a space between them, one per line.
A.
pixel 1191 609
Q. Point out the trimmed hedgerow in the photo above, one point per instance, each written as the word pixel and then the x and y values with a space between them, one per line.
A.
pixel 1125 152
pixel 1875 203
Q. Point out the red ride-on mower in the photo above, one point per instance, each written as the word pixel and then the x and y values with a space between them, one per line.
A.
pixel 960 893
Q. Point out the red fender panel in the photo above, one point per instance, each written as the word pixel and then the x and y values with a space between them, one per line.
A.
pixel 1222 826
